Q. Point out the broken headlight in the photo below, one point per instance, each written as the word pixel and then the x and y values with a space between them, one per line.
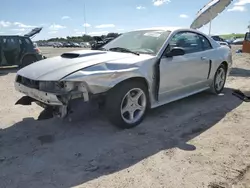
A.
pixel 55 87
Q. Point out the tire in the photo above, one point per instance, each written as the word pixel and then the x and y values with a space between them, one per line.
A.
pixel 117 99
pixel 27 60
pixel 215 88
pixel 47 113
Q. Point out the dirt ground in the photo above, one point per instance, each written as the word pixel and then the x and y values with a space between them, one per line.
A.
pixel 200 141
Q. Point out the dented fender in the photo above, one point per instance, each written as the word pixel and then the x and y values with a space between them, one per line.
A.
pixel 101 78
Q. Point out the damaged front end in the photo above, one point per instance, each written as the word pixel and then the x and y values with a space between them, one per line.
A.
pixel 56 96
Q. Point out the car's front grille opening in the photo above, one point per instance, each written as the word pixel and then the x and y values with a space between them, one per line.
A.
pixel 27 82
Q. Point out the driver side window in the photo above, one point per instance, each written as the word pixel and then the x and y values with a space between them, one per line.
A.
pixel 190 42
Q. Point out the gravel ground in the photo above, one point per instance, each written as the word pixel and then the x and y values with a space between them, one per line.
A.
pixel 200 141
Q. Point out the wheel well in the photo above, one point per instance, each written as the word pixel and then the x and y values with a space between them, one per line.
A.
pixel 102 97
pixel 28 55
pixel 136 79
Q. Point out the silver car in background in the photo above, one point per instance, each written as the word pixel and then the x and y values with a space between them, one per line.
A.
pixel 137 71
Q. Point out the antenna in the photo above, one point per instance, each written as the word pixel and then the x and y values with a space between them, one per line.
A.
pixel 84 14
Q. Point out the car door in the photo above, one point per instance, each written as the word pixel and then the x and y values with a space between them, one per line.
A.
pixel 182 75
pixel 10 49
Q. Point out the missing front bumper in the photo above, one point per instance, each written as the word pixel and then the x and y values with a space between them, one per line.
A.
pixel 60 103
pixel 26 100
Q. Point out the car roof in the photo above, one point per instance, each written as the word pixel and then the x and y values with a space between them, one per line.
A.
pixel 174 29
pixel 14 36
pixel 160 28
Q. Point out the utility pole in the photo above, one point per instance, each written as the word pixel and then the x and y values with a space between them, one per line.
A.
pixel 210 28
pixel 84 14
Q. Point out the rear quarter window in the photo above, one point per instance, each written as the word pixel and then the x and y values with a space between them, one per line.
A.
pixel 27 41
pixel 206 45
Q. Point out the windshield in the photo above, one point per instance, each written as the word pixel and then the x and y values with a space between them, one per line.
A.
pixel 144 41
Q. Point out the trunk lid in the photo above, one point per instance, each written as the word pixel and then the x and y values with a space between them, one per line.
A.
pixel 33 32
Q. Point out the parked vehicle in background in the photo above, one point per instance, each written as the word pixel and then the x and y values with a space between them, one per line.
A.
pixel 71 45
pixel 225 44
pixel 98 43
pixel 137 71
pixel 43 44
pixel 68 44
pixel 76 45
pixel 217 38
pixel 246 43
pixel 64 44
pixel 60 45
pixel 220 40
pixel 238 41
pixel 229 41
pixel 19 50
pixel 107 40
pixel 88 45
pixel 57 45
pixel 85 45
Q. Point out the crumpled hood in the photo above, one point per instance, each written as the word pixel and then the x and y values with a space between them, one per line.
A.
pixel 56 68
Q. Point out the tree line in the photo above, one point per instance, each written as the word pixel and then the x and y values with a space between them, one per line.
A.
pixel 83 38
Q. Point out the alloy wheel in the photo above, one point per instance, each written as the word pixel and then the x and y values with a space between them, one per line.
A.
pixel 133 105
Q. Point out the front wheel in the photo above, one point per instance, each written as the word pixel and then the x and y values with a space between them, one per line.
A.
pixel 219 79
pixel 126 104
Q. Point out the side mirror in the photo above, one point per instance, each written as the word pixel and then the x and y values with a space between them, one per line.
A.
pixel 175 52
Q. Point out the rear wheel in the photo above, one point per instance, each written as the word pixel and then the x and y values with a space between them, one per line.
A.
pixel 27 60
pixel 126 104
pixel 219 79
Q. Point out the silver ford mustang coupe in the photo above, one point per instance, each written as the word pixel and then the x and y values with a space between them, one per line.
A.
pixel 137 71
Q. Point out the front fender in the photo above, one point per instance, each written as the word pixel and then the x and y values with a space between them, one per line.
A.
pixel 102 81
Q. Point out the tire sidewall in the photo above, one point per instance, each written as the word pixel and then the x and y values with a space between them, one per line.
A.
pixel 215 76
pixel 114 100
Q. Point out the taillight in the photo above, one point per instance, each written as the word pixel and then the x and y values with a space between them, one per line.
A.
pixel 37 50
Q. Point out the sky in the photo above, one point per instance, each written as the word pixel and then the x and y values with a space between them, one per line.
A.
pixel 61 18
